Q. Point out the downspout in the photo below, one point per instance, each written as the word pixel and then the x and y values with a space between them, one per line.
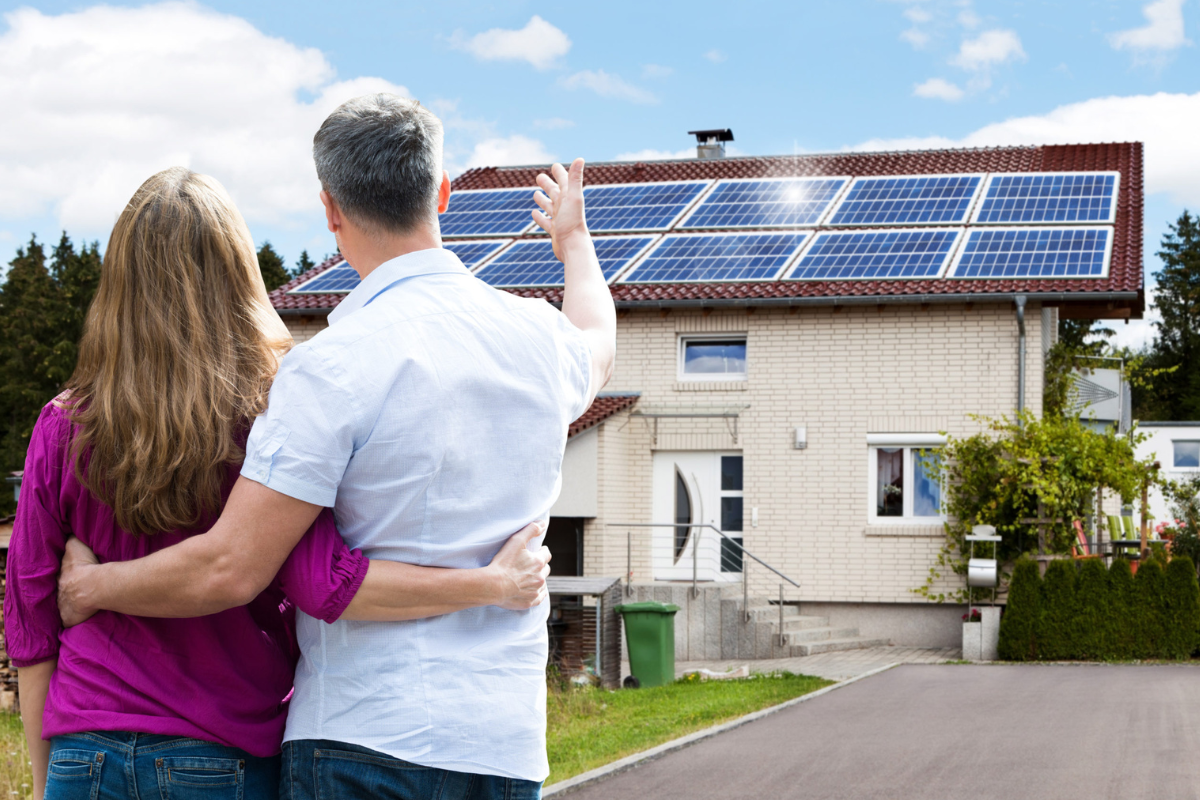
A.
pixel 1020 301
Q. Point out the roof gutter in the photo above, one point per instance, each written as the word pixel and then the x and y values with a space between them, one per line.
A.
pixel 874 300
pixel 303 312
pixel 1020 301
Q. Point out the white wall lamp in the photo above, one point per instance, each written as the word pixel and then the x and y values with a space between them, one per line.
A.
pixel 801 440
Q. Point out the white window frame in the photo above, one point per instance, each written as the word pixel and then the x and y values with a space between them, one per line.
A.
pixel 1182 441
pixel 709 377
pixel 911 443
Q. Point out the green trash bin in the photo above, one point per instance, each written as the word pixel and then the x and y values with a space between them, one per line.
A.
pixel 650 632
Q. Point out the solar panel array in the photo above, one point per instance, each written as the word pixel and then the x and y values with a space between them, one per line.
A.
pixel 495 212
pixel 1054 197
pixel 775 203
pixel 819 228
pixel 635 207
pixel 876 255
pixel 682 258
pixel 532 262
pixel 899 200
pixel 1035 253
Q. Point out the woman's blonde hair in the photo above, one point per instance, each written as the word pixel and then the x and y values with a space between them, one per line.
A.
pixel 177 356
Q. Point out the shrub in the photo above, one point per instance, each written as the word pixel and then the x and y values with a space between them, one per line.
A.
pixel 1058 619
pixel 1094 624
pixel 1122 602
pixel 1183 609
pixel 1017 624
pixel 1150 610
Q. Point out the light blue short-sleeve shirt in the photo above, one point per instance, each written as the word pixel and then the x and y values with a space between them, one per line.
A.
pixel 432 415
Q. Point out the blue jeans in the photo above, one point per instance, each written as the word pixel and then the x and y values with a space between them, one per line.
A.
pixel 317 769
pixel 108 765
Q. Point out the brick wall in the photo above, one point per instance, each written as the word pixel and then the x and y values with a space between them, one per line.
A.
pixel 304 328
pixel 842 373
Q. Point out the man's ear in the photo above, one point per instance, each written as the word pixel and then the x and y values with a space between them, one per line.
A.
pixel 333 216
pixel 444 193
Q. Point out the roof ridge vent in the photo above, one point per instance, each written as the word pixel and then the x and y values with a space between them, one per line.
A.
pixel 711 143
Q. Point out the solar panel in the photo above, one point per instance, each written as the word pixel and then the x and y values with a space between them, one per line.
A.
pixel 493 212
pixel 531 262
pixel 337 280
pixel 907 200
pixel 878 255
pixel 1049 197
pixel 630 207
pixel 765 203
pixel 472 254
pixel 717 257
pixel 1034 253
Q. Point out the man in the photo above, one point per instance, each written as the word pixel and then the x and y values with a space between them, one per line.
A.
pixel 432 415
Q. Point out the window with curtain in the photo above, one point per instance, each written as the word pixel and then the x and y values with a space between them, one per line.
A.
pixel 906 482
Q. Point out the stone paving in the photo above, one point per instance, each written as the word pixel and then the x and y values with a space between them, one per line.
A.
pixel 837 666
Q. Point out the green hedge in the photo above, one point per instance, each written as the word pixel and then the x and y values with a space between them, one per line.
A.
pixel 1082 611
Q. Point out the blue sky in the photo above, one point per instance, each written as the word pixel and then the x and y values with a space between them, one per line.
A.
pixel 97 98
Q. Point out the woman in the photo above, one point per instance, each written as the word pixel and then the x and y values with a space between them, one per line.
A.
pixel 177 358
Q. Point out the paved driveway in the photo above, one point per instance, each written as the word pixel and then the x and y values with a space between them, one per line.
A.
pixel 953 732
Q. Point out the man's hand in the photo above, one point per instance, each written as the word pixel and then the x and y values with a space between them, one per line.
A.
pixel 561 201
pixel 72 597
pixel 520 573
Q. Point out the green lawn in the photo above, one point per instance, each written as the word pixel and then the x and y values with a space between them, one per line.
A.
pixel 589 727
pixel 586 727
pixel 16 778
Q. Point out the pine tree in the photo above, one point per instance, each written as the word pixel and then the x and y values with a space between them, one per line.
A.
pixel 303 264
pixel 270 263
pixel 42 310
pixel 1177 395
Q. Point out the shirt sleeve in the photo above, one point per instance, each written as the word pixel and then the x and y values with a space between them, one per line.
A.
pixel 322 574
pixel 31 621
pixel 575 365
pixel 301 444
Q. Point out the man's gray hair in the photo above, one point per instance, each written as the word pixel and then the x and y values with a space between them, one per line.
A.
pixel 380 157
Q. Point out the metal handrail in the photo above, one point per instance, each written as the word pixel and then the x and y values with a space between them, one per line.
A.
pixel 695 562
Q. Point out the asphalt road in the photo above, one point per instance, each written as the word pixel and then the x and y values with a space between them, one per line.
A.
pixel 952 732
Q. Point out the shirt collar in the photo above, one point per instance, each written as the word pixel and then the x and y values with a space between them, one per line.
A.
pixel 410 265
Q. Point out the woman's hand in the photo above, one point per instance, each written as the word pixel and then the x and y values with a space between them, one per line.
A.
pixel 561 201
pixel 73 581
pixel 520 573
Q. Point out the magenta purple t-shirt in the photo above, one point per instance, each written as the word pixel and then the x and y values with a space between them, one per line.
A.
pixel 222 678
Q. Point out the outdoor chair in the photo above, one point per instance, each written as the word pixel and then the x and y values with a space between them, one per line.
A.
pixel 1081 549
pixel 1130 531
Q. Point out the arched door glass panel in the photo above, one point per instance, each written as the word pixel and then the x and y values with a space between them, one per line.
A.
pixel 683 513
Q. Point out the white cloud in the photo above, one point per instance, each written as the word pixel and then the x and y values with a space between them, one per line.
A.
pixel 715 56
pixel 917 14
pixel 657 71
pixel 916 37
pixel 539 43
pixel 990 48
pixel 969 19
pixel 1163 30
pixel 553 124
pixel 607 85
pixel 515 150
pixel 96 101
pixel 938 89
pixel 1164 122
pixel 650 154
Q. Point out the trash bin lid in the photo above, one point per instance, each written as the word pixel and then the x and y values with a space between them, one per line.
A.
pixel 649 605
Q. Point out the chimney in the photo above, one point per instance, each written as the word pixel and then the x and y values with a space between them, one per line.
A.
pixel 711 144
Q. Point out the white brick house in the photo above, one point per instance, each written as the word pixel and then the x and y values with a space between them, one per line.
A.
pixel 719 383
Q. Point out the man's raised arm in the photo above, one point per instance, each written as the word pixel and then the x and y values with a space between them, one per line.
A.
pixel 587 302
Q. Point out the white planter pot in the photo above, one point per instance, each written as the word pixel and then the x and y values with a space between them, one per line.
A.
pixel 972 641
pixel 990 635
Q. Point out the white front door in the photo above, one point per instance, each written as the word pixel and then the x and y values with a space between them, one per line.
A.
pixel 694 488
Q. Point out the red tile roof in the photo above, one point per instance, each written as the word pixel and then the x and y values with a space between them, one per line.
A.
pixel 1123 285
pixel 601 409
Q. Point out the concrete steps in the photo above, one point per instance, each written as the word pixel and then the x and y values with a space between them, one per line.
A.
pixel 801 635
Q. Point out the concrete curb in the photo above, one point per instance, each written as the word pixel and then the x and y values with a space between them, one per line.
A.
pixel 562 787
